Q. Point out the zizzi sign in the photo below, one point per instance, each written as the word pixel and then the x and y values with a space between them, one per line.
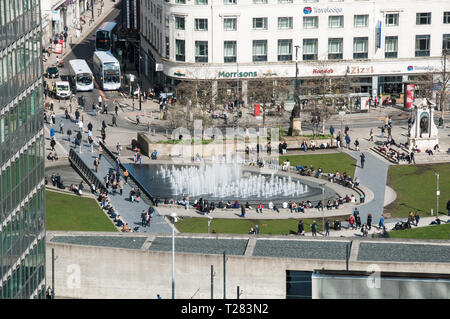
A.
pixel 309 10
pixel 236 74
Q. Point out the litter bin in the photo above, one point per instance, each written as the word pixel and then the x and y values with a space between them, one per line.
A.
pixel 337 225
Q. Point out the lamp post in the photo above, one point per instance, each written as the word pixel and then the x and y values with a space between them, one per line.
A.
pixel 296 74
pixel 174 217
pixel 437 193
pixel 323 213
pixel 209 222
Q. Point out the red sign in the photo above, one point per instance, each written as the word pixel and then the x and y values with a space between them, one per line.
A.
pixel 361 70
pixel 322 71
pixel 409 95
pixel 257 110
pixel 58 48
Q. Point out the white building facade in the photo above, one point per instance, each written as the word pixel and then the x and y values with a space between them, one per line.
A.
pixel 384 43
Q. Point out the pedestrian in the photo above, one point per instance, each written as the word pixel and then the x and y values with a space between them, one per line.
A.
pixel 121 186
pixel 100 101
pixel 448 208
pixel 347 141
pixel 116 109
pixel 91 143
pixel 332 130
pixel 77 116
pixel 363 159
pixel 118 148
pixel 52 133
pixel 369 221
pixel 103 137
pixel 382 131
pixel 314 228
pixel 356 145
pixel 104 125
pixel 52 144
pixel 300 228
pixel 381 223
pixel 69 132
pixel 351 222
pixel 100 151
pixel 53 116
pixel 137 119
pixel 327 228
pixel 417 218
pixel 114 123
pixel 90 126
pixel 49 293
pixel 242 211
pixel 371 135
pixel 96 164
pixel 358 221
pixel 411 156
pixel 125 176
pixel 61 126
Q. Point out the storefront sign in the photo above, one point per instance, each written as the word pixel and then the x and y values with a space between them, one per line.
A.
pixel 159 67
pixel 322 71
pixel 335 10
pixel 55 15
pixel 361 70
pixel 236 74
pixel 428 68
pixel 269 73
pixel 178 73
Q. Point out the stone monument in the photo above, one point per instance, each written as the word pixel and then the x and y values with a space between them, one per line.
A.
pixel 295 127
pixel 424 133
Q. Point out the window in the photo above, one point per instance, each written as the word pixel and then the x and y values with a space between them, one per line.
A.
pixel 180 50
pixel 335 48
pixel 229 24
pixel 201 1
pixel 259 1
pixel 311 0
pixel 284 1
pixel 310 22
pixel 259 50
pixel 447 17
pixel 201 51
pixel 201 24
pixel 391 44
pixel 446 43
pixel 178 1
pixel 260 23
pixel 284 50
pixel 285 23
pixel 229 51
pixel 229 1
pixel 361 21
pixel 336 21
pixel 360 48
pixel 422 45
pixel 310 49
pixel 179 23
pixel 391 19
pixel 423 18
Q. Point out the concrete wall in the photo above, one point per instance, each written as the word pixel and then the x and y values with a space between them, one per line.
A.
pixel 101 272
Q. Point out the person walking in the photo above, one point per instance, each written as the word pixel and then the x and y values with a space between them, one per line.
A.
pixel 100 152
pixel 411 156
pixel 369 221
pixel 96 164
pixel 351 222
pixel 52 144
pixel 381 223
pixel 371 135
pixel 69 132
pixel 100 102
pixel 125 176
pixel 91 143
pixel 382 132
pixel 417 218
pixel 116 109
pixel 118 148
pixel 121 186
pixel 300 228
pixel 61 127
pixel 356 145
pixel 363 159
pixel 327 228
pixel 114 121
pixel 347 141
pixel 242 211
pixel 332 130
pixel 314 228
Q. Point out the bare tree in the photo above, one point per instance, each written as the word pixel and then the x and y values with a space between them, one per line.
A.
pixel 443 84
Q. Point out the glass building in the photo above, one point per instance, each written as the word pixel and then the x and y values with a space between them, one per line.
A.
pixel 22 188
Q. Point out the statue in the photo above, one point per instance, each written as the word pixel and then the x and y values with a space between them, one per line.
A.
pixel 423 124
pixel 295 111
pixel 295 127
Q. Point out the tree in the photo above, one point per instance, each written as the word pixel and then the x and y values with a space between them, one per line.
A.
pixel 443 84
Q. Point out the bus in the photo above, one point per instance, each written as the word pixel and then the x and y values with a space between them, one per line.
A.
pixel 80 75
pixel 106 36
pixel 106 70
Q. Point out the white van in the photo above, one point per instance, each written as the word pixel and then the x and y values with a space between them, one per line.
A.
pixel 63 89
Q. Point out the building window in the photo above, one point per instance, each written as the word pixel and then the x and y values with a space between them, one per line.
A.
pixel 336 21
pixel 201 51
pixel 284 50
pixel 178 1
pixel 446 43
pixel 201 1
pixel 285 23
pixel 310 22
pixel 360 48
pixel 284 1
pixel 422 45
pixel 229 24
pixel 361 21
pixel 335 48
pixel 259 1
pixel 260 23
pixel 310 49
pixel 391 19
pixel 201 24
pixel 391 44
pixel 259 50
pixel 229 1
pixel 311 0
pixel 180 50
pixel 179 23
pixel 229 51
pixel 423 18
pixel 447 17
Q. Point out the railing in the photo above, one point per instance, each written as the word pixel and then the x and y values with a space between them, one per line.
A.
pixel 84 171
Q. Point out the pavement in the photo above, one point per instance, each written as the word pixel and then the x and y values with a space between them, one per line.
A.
pixel 373 176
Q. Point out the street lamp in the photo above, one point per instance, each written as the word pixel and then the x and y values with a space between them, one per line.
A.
pixel 437 193
pixel 323 213
pixel 174 220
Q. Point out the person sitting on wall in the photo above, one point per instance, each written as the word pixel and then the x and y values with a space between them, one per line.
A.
pixel 154 155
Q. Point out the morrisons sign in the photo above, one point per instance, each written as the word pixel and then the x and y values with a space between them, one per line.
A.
pixel 237 74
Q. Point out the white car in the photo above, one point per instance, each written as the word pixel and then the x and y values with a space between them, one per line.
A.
pixel 63 89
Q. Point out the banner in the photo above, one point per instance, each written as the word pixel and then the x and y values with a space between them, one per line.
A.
pixel 409 95
pixel 58 48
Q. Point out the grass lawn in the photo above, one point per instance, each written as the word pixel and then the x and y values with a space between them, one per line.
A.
pixel 428 232
pixel 416 188
pixel 330 163
pixel 242 226
pixel 72 213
